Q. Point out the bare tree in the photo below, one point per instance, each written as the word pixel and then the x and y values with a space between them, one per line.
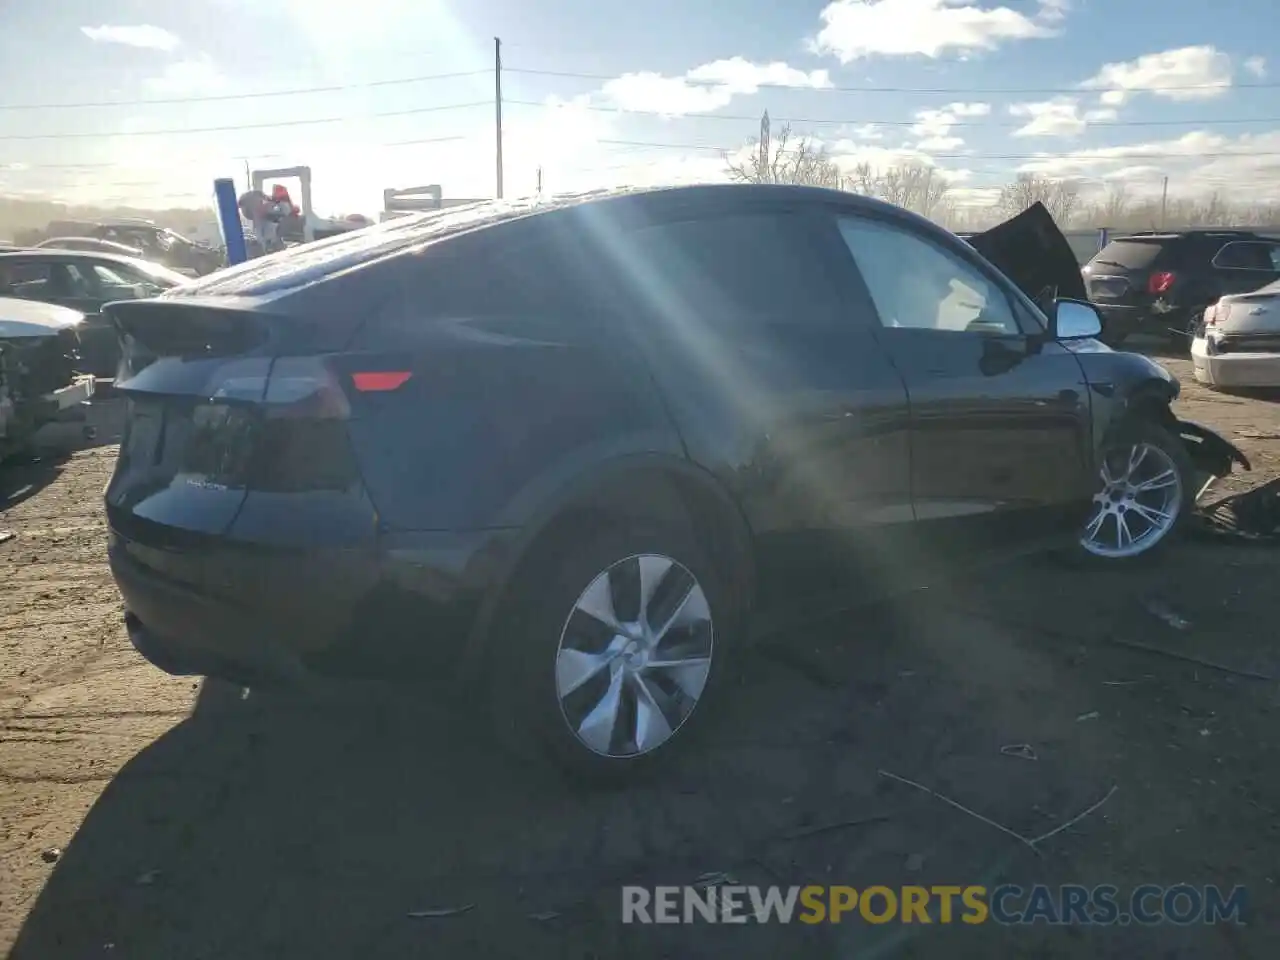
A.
pixel 1116 204
pixel 916 186
pixel 782 159
pixel 1060 197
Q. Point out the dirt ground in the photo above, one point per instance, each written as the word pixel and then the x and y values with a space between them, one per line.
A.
pixel 143 816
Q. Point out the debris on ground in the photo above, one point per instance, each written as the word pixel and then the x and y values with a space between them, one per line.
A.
pixel 1162 611
pixel 1253 515
pixel 147 878
pixel 1023 751
pixel 1188 658
pixel 1091 715
pixel 914 863
pixel 436 912
pixel 715 878
pixel 51 855
pixel 6 536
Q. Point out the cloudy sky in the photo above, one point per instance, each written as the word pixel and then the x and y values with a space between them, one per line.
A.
pixel 145 101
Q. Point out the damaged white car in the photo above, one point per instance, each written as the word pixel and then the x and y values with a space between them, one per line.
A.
pixel 1237 343
pixel 39 353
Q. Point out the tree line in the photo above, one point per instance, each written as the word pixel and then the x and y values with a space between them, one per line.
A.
pixel 784 157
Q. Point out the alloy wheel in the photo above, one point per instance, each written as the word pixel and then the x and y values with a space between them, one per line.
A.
pixel 1138 503
pixel 634 656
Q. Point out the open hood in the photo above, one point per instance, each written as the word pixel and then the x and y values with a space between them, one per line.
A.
pixel 28 318
pixel 1032 252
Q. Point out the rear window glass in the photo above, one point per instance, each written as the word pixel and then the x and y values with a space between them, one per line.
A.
pixel 311 262
pixel 1130 254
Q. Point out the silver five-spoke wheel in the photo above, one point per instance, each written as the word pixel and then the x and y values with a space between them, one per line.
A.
pixel 1138 503
pixel 634 656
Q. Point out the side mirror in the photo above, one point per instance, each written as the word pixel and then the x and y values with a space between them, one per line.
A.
pixel 1074 320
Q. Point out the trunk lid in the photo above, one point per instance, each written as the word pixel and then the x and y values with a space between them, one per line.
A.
pixel 206 422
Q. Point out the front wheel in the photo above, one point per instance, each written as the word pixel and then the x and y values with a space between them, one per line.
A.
pixel 610 650
pixel 1144 493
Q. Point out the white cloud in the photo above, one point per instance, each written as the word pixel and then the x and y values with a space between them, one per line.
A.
pixel 1245 167
pixel 144 35
pixel 707 87
pixel 1188 73
pixel 196 75
pixel 934 126
pixel 1256 66
pixel 852 29
pixel 1059 117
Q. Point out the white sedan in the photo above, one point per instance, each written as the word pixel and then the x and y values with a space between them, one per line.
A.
pixel 1238 342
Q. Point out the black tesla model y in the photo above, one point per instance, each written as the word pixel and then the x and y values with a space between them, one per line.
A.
pixel 570 456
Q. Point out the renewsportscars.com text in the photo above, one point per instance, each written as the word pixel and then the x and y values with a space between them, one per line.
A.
pixel 1066 905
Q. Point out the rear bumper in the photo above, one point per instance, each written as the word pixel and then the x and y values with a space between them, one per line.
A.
pixel 184 631
pixel 1142 319
pixel 409 610
pixel 1234 369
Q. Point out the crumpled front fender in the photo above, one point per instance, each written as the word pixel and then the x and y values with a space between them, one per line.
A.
pixel 1209 450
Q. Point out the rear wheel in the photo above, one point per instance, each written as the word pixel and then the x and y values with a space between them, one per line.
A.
pixel 1143 494
pixel 608 653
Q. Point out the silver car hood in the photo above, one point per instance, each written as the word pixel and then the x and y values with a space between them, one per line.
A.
pixel 25 319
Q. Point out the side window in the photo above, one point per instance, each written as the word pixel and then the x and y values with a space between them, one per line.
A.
pixel 762 268
pixel 1273 254
pixel 1245 255
pixel 25 279
pixel 919 285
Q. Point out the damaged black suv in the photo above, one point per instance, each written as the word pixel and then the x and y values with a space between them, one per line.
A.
pixel 572 454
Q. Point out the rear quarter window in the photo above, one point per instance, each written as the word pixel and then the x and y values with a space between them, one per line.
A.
pixel 1130 254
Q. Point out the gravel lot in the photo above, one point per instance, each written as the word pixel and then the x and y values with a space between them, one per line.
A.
pixel 143 816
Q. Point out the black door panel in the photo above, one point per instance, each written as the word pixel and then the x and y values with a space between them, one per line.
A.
pixel 999 418
pixel 774 389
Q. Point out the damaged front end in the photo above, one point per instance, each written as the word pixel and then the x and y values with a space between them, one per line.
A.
pixel 39 382
pixel 1210 452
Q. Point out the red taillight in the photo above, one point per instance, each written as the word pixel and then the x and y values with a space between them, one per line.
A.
pixel 304 388
pixel 380 381
pixel 1160 282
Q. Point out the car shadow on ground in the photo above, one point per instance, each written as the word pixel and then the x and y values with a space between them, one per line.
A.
pixel 22 477
pixel 264 826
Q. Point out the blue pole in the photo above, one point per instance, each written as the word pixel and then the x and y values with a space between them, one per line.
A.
pixel 224 192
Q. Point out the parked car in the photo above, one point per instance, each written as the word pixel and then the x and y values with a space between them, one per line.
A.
pixel 38 378
pixel 571 455
pixel 1162 282
pixel 84 281
pixel 162 245
pixel 90 244
pixel 1238 342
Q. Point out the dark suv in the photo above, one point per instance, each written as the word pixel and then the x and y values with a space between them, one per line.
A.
pixel 1162 282
pixel 567 452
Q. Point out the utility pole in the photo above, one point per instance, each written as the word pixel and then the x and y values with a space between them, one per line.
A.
pixel 1164 201
pixel 497 103
pixel 539 180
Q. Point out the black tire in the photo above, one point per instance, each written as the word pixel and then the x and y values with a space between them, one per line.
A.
pixel 1145 430
pixel 524 704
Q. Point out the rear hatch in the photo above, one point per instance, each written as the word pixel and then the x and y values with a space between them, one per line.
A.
pixel 239 392
pixel 1131 272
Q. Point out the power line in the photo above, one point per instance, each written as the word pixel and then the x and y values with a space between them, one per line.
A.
pixel 262 94
pixel 271 125
pixel 881 89
pixel 1144 155
pixel 743 118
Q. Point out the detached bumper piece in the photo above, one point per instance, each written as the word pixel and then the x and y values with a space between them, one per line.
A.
pixel 1210 451
pixel 80 390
